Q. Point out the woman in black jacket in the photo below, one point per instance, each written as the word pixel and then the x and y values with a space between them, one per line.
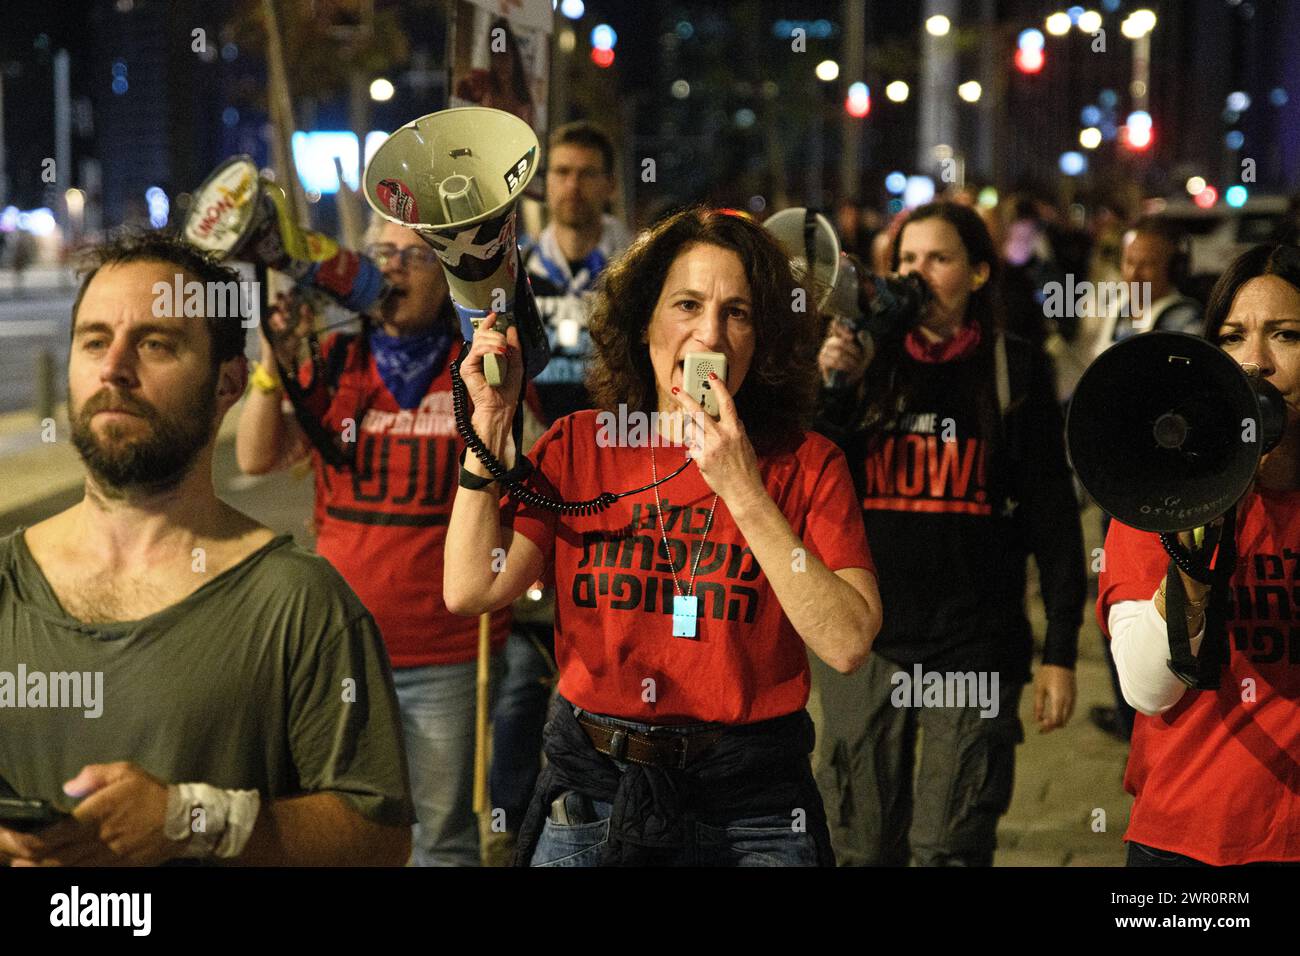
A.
pixel 956 442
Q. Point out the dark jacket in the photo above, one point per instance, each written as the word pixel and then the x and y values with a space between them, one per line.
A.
pixel 950 537
pixel 754 770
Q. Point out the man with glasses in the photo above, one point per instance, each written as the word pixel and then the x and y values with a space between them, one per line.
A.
pixel 382 522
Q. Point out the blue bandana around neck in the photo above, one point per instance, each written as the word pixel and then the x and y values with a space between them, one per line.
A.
pixel 409 363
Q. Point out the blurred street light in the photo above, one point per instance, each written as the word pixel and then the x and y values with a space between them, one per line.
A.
pixel 1090 137
pixel 938 25
pixel 1029 60
pixel 1058 24
pixel 1030 39
pixel 1090 21
pixel 970 91
pixel 1073 163
pixel 1138 24
pixel 827 70
pixel 1207 197
pixel 603 36
pixel 1195 185
pixel 858 102
pixel 897 91
pixel 381 90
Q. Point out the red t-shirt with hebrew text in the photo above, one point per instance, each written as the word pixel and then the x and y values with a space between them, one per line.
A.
pixel 614 583
pixel 1217 776
pixel 384 525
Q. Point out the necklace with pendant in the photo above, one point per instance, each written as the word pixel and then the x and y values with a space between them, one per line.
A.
pixel 685 603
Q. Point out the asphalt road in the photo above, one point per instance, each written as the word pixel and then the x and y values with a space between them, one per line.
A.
pixel 28 326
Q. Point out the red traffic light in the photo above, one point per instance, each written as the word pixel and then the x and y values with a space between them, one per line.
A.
pixel 1136 138
pixel 1029 59
pixel 602 58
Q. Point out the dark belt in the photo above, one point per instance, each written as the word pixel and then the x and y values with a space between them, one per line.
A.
pixel 671 751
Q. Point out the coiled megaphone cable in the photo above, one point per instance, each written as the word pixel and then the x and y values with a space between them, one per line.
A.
pixel 514 485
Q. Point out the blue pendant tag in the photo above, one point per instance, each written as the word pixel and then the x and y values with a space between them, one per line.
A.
pixel 684 610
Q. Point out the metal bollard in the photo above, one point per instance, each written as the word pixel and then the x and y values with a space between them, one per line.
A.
pixel 44 384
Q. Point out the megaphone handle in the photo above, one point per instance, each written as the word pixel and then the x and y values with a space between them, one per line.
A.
pixel 492 371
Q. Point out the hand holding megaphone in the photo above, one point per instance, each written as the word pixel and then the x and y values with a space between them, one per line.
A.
pixel 287 326
pixel 494 402
pixel 845 355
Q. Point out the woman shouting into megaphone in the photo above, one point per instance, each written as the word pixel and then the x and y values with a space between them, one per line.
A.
pixel 955 438
pixel 1214 770
pixel 684 611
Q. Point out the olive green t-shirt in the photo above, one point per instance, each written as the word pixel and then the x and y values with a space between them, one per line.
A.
pixel 271 677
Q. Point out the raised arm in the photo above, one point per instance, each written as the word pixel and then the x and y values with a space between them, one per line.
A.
pixel 268 439
pixel 487 565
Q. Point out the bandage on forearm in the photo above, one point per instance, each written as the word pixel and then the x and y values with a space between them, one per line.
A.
pixel 215 822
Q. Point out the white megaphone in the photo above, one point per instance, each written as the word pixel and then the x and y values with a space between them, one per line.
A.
pixel 834 280
pixel 455 177
pixel 236 214
pixel 871 305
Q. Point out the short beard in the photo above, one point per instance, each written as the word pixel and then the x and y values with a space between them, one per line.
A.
pixel 155 463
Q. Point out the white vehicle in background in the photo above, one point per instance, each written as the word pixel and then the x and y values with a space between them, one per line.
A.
pixel 1219 234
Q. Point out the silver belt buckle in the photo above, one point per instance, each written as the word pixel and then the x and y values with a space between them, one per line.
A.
pixel 618 745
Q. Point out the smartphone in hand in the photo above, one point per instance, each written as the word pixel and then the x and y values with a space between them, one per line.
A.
pixel 27 816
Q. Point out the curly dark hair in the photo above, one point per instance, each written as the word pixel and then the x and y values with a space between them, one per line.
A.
pixel 776 401
pixel 155 245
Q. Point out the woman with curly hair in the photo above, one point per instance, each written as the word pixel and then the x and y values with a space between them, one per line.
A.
pixel 684 611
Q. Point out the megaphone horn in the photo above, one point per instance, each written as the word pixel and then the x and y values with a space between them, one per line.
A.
pixel 455 177
pixel 1166 431
pixel 805 235
pixel 236 214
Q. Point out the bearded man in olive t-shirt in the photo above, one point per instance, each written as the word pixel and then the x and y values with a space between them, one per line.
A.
pixel 177 678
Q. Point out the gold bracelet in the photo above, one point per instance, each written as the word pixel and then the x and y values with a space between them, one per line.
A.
pixel 1188 603
pixel 263 380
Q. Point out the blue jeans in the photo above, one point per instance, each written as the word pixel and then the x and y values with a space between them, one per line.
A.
pixel 770 840
pixel 517 721
pixel 437 706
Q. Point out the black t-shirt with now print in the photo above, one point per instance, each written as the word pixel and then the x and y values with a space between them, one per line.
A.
pixel 952 518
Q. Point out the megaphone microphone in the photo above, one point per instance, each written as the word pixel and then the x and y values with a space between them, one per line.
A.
pixel 455 178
